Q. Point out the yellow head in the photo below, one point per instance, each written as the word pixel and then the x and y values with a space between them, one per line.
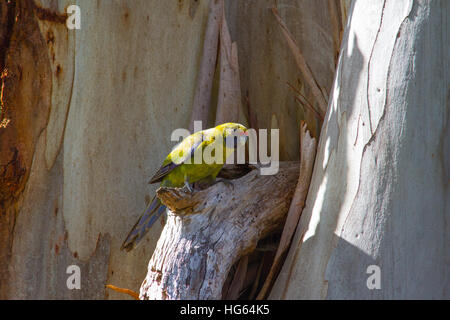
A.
pixel 233 132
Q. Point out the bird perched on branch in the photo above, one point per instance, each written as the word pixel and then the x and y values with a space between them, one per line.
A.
pixel 199 157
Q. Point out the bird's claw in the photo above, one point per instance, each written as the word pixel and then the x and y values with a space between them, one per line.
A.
pixel 188 186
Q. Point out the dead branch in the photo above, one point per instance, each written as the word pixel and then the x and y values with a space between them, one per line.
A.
pixel 129 292
pixel 209 230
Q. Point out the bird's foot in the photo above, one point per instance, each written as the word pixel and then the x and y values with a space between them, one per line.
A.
pixel 188 186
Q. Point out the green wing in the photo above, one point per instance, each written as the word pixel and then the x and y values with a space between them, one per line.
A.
pixel 181 152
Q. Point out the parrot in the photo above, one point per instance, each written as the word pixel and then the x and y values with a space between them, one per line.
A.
pixel 180 169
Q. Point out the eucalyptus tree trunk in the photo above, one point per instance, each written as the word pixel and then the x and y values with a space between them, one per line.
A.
pixel 376 221
pixel 87 116
pixel 91 112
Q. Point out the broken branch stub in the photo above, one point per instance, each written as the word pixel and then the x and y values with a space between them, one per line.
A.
pixel 209 230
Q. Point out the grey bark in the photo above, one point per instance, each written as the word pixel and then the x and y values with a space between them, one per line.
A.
pixel 379 193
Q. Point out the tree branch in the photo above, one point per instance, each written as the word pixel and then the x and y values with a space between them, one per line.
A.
pixel 209 230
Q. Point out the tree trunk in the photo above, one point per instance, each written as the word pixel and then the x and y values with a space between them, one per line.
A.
pixel 90 116
pixel 379 194
pixel 91 113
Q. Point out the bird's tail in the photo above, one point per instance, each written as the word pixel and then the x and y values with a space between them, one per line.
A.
pixel 145 222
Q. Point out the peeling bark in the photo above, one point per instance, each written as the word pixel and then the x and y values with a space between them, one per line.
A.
pixel 26 79
pixel 303 66
pixel 202 97
pixel 229 99
pixel 308 154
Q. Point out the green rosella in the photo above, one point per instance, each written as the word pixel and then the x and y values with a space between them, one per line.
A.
pixel 182 168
